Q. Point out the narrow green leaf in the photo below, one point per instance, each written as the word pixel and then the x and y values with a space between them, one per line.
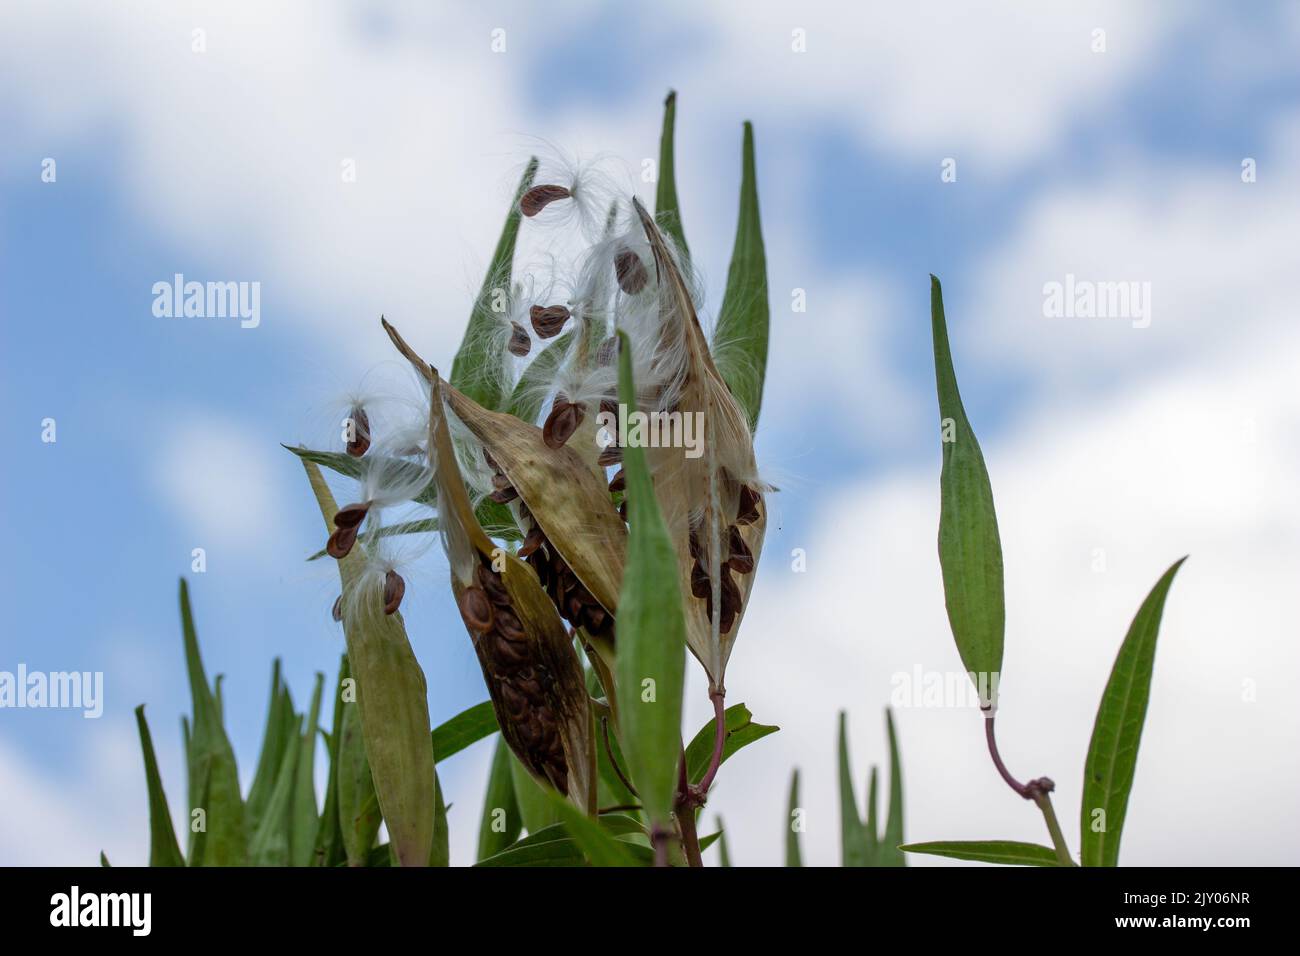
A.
pixel 268 761
pixel 740 338
pixel 890 855
pixel 724 853
pixel 872 826
pixel 401 469
pixel 501 823
pixel 270 845
pixel 970 552
pixel 555 846
pixel 163 848
pixel 597 843
pixel 306 820
pixel 103 860
pixel 1009 852
pixel 793 824
pixel 534 808
pixel 741 732
pixel 477 369
pixel 441 855
pixel 214 779
pixel 1117 731
pixel 468 727
pixel 651 659
pixel 667 211
pixel 854 848
pixel 329 836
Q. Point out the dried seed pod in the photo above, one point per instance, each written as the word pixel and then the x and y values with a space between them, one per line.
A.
pixel 740 559
pixel 351 516
pixel 340 543
pixel 475 610
pixel 539 197
pixel 520 344
pixel 548 320
pixel 359 442
pixel 630 271
pixel 394 589
pixel 562 422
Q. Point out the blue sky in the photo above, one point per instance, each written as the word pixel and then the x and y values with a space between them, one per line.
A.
pixel 222 165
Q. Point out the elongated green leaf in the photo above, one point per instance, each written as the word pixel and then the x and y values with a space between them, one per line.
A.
pixel 889 854
pixel 163 848
pixel 970 552
pixel 793 824
pixel 555 846
pixel 740 338
pixel 854 848
pixel 1117 731
pixel 329 836
pixel 270 845
pixel 501 823
pixel 402 470
pixel 477 368
pixel 597 843
pixel 741 732
pixel 214 779
pixel 103 860
pixel 1009 852
pixel 359 816
pixel 667 211
pixel 724 852
pixel 268 762
pixel 530 796
pixel 392 700
pixel 468 727
pixel 441 855
pixel 872 825
pixel 306 821
pixel 651 660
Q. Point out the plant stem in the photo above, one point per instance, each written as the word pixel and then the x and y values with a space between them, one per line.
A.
pixel 719 740
pixel 1038 790
pixel 690 839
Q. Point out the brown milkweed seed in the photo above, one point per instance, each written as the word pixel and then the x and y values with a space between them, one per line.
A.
pixel 742 559
pixel 563 421
pixel 609 455
pixel 504 495
pixel 618 482
pixel 701 586
pixel 750 499
pixel 336 612
pixel 359 443
pixel 630 271
pixel 539 197
pixel 533 540
pixel 394 588
pixel 607 351
pixel 350 516
pixel 548 320
pixel 520 344
pixel 340 543
pixel 476 610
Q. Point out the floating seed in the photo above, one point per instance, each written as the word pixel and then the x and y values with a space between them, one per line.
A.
pixel 394 588
pixel 539 197
pixel 630 271
pixel 476 610
pixel 340 543
pixel 520 344
pixel 360 441
pixel 750 499
pixel 548 320
pixel 350 516
pixel 741 559
pixel 563 421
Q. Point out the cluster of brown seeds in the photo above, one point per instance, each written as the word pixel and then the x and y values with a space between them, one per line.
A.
pixel 739 559
pixel 517 681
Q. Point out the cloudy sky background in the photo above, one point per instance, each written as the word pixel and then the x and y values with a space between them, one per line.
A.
pixel 1147 444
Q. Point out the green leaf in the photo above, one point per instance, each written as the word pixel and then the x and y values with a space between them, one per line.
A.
pixel 501 823
pixel 793 855
pixel 741 732
pixel 270 845
pixel 530 391
pixel 555 846
pixel 468 727
pixel 1009 852
pixel 441 855
pixel 724 853
pixel 855 850
pixel 214 779
pixel 103 860
pixel 667 212
pixel 477 368
pixel 740 338
pixel 401 469
pixel 1117 731
pixel 273 746
pixel 889 854
pixel 306 821
pixel 651 660
pixel 970 552
pixel 163 848
pixel 534 808
pixel 872 825
pixel 597 843
pixel 329 836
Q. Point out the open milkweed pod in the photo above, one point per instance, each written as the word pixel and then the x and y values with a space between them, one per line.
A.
pixel 710 496
pixel 529 663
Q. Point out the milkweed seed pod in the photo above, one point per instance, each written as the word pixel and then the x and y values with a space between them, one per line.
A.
pixel 713 503
pixel 529 663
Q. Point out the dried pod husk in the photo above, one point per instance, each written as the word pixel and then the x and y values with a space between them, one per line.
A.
pixel 539 197
pixel 548 320
pixel 359 443
pixel 529 663
pixel 520 344
pixel 702 498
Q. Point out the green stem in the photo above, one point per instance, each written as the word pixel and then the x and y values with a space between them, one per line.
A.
pixel 1044 801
